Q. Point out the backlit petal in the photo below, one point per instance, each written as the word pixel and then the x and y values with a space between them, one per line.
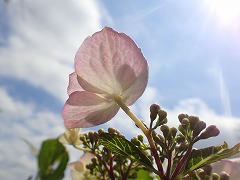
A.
pixel 73 84
pixel 109 62
pixel 136 90
pixel 78 168
pixel 86 109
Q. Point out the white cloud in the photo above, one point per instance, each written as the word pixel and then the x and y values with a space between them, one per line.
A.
pixel 45 36
pixel 22 121
pixel 11 108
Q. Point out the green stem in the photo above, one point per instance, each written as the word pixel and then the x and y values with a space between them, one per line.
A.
pixel 146 131
pixel 139 123
pixel 82 149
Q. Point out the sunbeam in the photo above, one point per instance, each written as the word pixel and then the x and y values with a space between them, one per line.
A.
pixel 225 100
pixel 225 12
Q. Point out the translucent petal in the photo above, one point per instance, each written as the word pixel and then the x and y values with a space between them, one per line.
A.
pixel 109 62
pixel 73 84
pixel 78 168
pixel 136 90
pixel 86 109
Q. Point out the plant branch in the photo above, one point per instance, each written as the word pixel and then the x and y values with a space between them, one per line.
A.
pixel 155 154
pixel 138 122
pixel 169 164
pixel 182 161
pixel 82 149
pixel 106 167
pixel 147 132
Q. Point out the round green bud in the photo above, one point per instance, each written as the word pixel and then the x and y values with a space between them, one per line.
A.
pixel 82 138
pixel 180 138
pixel 162 114
pixel 215 176
pixel 94 160
pixel 185 122
pixel 193 120
pixel 95 136
pixel 173 131
pixel 198 128
pixel 113 130
pixel 181 117
pixel 140 137
pixel 135 141
pixel 100 131
pixel 165 130
pixel 91 137
pixel 154 109
pixel 159 139
pixel 181 129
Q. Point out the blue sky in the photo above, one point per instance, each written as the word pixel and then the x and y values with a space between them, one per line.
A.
pixel 192 48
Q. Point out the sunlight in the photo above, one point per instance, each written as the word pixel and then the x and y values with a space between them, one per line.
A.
pixel 226 12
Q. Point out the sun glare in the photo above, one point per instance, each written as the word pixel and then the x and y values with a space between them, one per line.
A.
pixel 226 12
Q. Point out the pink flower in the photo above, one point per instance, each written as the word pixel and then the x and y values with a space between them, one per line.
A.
pixel 78 168
pixel 108 65
pixel 229 166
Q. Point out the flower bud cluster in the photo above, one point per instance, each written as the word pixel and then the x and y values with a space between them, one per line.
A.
pixel 106 161
pixel 192 128
pixel 143 146
pixel 157 113
pixel 90 139
pixel 207 174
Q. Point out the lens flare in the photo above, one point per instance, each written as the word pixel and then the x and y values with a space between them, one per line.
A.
pixel 226 12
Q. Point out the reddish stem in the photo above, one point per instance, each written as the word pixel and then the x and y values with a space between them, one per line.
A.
pixel 110 172
pixel 125 175
pixel 182 161
pixel 155 155
pixel 169 164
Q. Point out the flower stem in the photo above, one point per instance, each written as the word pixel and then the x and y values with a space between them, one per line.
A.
pixel 82 149
pixel 182 161
pixel 138 122
pixel 147 132
pixel 155 154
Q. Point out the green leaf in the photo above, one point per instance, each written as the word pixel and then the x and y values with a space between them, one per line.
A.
pixel 125 148
pixel 52 160
pixel 143 175
pixel 201 157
